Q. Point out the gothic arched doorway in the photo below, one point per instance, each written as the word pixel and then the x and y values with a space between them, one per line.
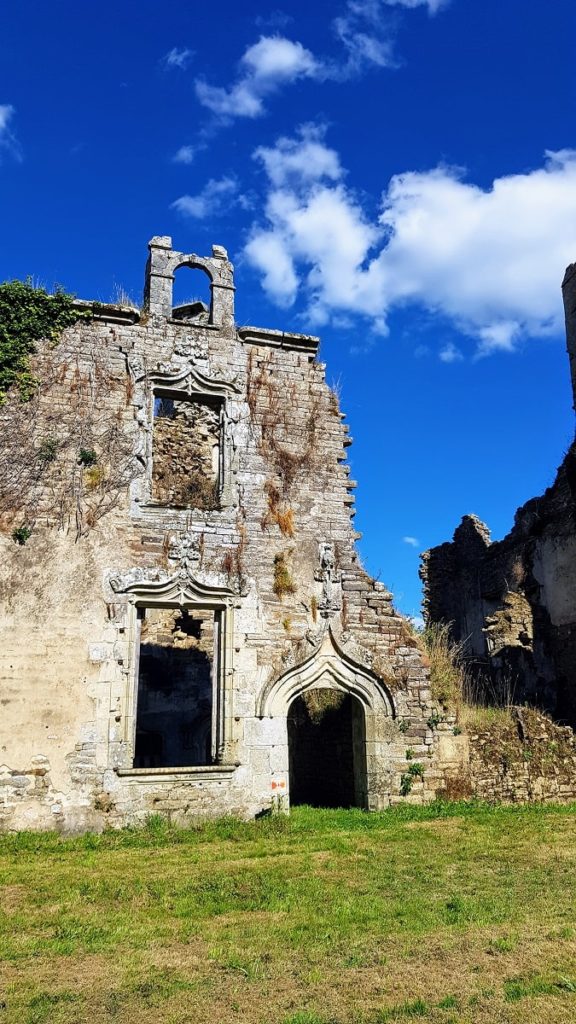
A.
pixel 327 749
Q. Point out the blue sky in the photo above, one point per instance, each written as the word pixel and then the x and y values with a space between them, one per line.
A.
pixel 398 176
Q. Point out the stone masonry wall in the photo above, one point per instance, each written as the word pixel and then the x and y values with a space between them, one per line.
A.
pixel 186 439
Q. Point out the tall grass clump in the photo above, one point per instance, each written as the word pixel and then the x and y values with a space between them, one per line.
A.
pixel 474 699
pixel 448 676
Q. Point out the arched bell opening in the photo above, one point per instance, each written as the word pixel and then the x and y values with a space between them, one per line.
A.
pixel 192 294
pixel 327 749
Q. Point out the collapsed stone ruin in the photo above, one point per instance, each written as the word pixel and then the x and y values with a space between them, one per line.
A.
pixel 512 603
pixel 186 626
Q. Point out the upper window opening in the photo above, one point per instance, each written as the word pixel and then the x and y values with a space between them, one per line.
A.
pixel 191 295
pixel 186 451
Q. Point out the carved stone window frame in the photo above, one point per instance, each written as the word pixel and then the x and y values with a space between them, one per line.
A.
pixel 182 592
pixel 192 385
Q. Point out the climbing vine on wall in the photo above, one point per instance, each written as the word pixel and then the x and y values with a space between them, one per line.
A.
pixel 68 453
pixel 29 315
pixel 287 426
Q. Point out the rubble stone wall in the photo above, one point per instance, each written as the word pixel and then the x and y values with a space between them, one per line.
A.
pixel 521 756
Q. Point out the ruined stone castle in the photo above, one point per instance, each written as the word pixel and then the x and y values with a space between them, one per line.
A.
pixel 512 603
pixel 186 627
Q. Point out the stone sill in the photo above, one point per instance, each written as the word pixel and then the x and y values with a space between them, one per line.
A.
pixel 194 323
pixel 200 515
pixel 195 773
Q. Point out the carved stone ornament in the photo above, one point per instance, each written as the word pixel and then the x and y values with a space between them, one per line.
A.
pixel 327 666
pixel 327 574
pixel 156 586
pixel 185 551
pixel 191 381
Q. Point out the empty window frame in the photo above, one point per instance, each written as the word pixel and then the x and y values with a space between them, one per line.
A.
pixel 187 458
pixel 177 683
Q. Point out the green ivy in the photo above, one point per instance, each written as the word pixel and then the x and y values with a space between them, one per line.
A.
pixel 29 315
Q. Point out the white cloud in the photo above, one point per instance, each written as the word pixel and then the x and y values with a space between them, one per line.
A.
pixel 300 160
pixel 214 197
pixel 412 542
pixel 365 36
pixel 363 49
pixel 184 155
pixel 490 260
pixel 363 31
pixel 267 65
pixel 8 143
pixel 450 353
pixel 176 58
pixel 6 112
pixel 432 5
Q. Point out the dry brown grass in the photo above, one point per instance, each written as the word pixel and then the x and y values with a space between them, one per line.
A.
pixel 447 671
pixel 278 512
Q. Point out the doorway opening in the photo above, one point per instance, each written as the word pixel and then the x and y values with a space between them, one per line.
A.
pixel 327 750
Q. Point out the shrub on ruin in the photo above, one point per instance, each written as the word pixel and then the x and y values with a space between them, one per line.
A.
pixel 21 534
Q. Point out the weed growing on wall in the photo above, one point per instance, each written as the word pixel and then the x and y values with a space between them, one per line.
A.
pixel 283 582
pixel 320 702
pixel 29 315
pixel 277 513
pixel 447 669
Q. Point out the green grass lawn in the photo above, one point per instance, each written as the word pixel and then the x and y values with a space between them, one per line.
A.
pixel 451 913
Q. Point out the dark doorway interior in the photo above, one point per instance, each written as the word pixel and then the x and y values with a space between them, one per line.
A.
pixel 174 704
pixel 326 743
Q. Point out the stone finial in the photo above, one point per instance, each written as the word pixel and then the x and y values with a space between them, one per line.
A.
pixel 219 252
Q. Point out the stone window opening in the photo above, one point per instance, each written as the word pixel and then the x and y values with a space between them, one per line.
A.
pixel 177 673
pixel 192 295
pixel 187 450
